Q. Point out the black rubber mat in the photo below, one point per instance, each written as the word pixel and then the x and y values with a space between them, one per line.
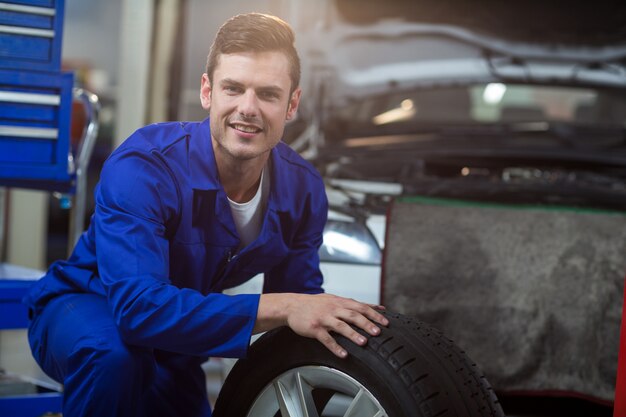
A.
pixel 533 294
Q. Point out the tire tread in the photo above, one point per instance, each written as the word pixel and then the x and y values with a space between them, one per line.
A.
pixel 406 337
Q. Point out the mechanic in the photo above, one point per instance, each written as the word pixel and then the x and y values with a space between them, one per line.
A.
pixel 183 211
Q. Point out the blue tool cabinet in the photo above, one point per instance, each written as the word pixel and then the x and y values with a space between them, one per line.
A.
pixel 35 149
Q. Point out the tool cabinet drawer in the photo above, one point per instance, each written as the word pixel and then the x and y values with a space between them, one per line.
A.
pixel 35 111
pixel 31 33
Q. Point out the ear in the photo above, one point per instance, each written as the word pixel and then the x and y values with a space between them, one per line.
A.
pixel 205 92
pixel 294 101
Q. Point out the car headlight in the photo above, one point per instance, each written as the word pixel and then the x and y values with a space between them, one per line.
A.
pixel 349 242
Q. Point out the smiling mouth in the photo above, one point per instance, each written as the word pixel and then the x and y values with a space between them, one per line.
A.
pixel 245 128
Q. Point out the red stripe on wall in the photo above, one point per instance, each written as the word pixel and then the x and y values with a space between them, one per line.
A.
pixel 619 409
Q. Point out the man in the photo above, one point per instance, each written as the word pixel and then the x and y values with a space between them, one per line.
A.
pixel 184 210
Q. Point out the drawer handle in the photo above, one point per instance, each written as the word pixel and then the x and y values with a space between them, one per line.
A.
pixel 45 11
pixel 30 98
pixel 15 30
pixel 29 132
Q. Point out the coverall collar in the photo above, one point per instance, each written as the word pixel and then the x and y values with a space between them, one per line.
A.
pixel 206 178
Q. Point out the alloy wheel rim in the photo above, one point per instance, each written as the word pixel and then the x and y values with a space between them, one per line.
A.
pixel 292 393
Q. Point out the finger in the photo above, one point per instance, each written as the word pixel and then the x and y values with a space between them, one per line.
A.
pixel 370 314
pixel 344 329
pixel 331 344
pixel 357 319
pixel 369 310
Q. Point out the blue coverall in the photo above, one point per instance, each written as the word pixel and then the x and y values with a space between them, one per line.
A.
pixel 127 320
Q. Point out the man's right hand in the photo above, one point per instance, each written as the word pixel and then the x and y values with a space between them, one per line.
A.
pixel 315 316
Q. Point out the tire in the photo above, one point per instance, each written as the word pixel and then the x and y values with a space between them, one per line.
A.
pixel 409 370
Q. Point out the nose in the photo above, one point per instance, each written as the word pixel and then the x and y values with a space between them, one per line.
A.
pixel 248 104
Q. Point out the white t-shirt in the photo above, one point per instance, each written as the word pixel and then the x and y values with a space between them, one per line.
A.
pixel 248 216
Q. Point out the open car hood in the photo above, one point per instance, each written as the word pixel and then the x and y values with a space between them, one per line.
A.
pixel 362 47
pixel 363 60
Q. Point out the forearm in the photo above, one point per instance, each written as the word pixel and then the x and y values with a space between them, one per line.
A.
pixel 272 311
pixel 183 320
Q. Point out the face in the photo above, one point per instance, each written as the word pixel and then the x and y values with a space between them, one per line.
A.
pixel 249 102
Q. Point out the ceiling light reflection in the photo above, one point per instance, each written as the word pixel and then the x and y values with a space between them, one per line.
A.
pixel 406 111
pixel 494 92
pixel 338 242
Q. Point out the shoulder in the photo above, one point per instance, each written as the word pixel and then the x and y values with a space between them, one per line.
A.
pixel 296 164
pixel 157 136
pixel 165 145
pixel 301 185
pixel 145 162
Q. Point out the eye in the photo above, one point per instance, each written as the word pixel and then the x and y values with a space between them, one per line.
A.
pixel 232 89
pixel 269 95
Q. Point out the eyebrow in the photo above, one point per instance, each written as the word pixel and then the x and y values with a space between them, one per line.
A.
pixel 229 81
pixel 266 89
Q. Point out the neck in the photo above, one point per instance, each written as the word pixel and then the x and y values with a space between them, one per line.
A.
pixel 240 179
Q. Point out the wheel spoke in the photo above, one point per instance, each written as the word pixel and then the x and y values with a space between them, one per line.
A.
pixel 285 404
pixel 305 393
pixel 294 396
pixel 363 406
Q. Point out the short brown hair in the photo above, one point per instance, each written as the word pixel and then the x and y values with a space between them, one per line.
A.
pixel 255 32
